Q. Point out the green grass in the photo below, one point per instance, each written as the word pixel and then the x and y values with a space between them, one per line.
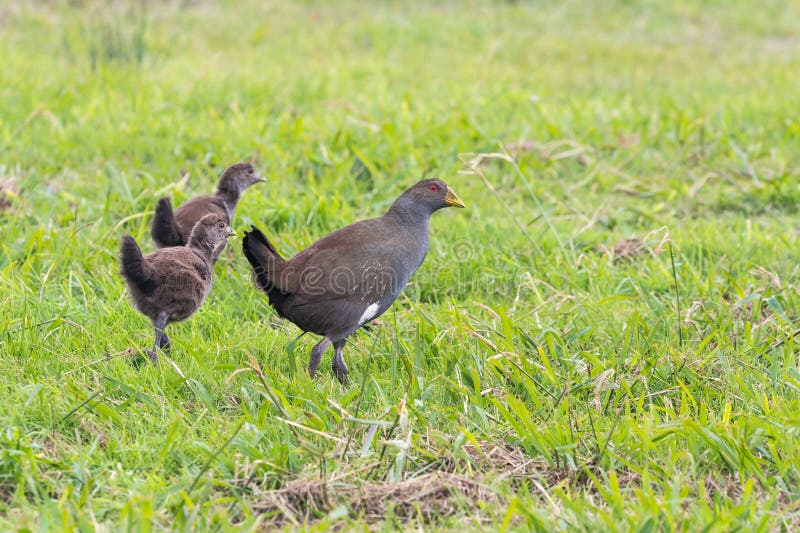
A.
pixel 655 392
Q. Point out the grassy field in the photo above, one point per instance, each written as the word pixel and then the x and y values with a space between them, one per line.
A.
pixel 603 340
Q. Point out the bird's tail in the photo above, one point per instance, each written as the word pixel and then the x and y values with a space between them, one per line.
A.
pixel 165 229
pixel 268 265
pixel 134 268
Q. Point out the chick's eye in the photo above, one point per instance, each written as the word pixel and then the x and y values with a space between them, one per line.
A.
pixel 434 188
pixel 221 225
pixel 250 171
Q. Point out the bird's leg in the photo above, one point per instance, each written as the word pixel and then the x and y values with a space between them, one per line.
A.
pixel 166 344
pixel 161 338
pixel 316 355
pixel 339 366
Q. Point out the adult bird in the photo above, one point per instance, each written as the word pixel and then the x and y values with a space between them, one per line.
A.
pixel 170 284
pixel 352 275
pixel 173 228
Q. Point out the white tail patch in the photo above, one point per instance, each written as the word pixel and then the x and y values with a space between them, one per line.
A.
pixel 369 313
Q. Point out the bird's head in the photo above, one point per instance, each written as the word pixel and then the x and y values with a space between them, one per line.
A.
pixel 239 177
pixel 430 195
pixel 210 231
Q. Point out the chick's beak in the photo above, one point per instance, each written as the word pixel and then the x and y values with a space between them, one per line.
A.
pixel 260 178
pixel 230 233
pixel 451 199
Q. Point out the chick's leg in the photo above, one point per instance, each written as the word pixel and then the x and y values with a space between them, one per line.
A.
pixel 161 338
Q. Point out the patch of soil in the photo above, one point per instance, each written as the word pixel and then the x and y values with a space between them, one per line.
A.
pixel 427 497
pixel 629 249
pixel 624 250
pixel 459 483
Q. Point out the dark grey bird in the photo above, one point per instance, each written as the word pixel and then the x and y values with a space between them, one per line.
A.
pixel 351 276
pixel 170 284
pixel 173 228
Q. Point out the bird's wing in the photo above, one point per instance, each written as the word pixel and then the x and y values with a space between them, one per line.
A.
pixel 347 278
pixel 357 264
pixel 180 269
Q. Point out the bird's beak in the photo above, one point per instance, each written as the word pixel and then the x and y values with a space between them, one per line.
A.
pixel 260 178
pixel 451 199
pixel 231 233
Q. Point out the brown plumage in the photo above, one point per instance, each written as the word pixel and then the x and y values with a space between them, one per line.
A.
pixel 170 284
pixel 351 276
pixel 173 228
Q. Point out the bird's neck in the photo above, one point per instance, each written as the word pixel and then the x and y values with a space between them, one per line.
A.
pixel 203 246
pixel 230 198
pixel 408 213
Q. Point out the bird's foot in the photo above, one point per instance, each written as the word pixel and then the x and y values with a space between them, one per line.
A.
pixel 152 355
pixel 340 370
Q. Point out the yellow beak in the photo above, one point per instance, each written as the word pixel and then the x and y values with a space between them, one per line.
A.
pixel 451 199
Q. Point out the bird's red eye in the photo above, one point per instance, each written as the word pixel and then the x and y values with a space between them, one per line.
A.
pixel 434 188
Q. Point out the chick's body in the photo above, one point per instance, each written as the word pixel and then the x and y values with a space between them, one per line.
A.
pixel 188 214
pixel 173 228
pixel 170 284
pixel 182 281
